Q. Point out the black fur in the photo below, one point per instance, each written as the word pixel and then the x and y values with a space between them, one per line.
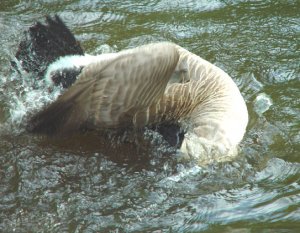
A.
pixel 65 77
pixel 44 43
pixel 171 133
pixel 50 124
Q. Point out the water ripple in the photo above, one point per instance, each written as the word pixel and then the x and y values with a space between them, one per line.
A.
pixel 74 186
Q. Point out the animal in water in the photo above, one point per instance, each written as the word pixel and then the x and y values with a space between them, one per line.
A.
pixel 154 85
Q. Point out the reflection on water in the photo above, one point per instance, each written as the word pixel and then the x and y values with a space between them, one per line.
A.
pixel 80 185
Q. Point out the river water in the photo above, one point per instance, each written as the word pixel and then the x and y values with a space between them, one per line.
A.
pixel 84 185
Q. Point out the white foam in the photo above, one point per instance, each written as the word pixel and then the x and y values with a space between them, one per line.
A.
pixel 31 100
pixel 262 103
pixel 183 174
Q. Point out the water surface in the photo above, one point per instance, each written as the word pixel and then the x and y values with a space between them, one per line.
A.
pixel 80 185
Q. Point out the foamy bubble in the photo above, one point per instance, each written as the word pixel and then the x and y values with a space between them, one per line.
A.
pixel 262 103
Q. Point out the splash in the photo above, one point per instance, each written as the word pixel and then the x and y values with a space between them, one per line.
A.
pixel 25 95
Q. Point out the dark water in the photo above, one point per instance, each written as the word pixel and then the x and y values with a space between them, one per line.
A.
pixel 80 185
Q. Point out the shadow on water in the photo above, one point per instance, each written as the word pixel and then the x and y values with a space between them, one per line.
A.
pixel 103 183
pixel 128 148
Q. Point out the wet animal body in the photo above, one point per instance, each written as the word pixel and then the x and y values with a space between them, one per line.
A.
pixel 194 104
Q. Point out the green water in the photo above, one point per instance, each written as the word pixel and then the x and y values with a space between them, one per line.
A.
pixel 79 186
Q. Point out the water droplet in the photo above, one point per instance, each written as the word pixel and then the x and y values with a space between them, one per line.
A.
pixel 262 103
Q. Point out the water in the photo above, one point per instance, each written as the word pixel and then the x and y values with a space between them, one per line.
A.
pixel 83 185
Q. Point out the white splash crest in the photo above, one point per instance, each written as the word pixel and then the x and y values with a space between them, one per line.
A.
pixel 25 99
